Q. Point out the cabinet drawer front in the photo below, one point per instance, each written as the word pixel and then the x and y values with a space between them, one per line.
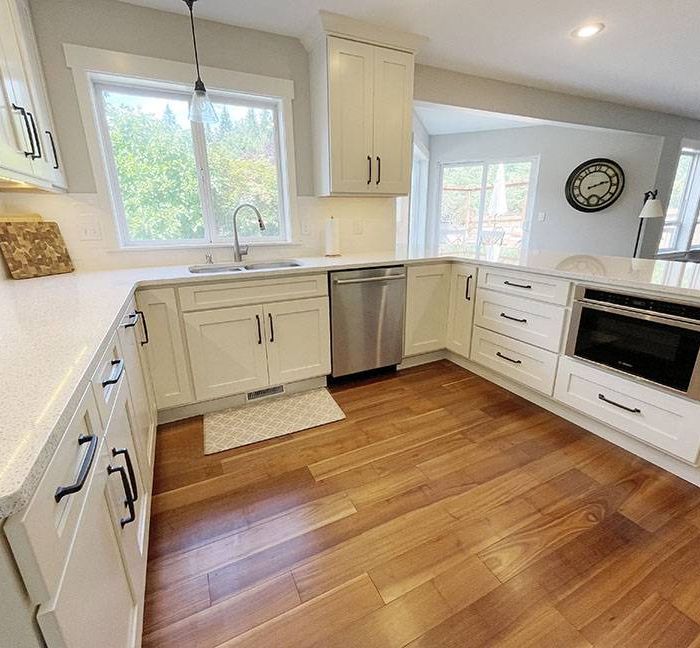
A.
pixel 524 319
pixel 525 363
pixel 107 377
pixel 525 284
pixel 668 422
pixel 255 291
pixel 41 535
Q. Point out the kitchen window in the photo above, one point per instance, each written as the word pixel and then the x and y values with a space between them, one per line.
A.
pixel 177 183
pixel 485 205
pixel 681 231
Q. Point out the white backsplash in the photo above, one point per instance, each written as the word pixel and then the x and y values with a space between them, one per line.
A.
pixel 366 225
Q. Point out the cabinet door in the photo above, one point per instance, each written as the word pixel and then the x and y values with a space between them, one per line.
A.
pixel 298 340
pixel 131 338
pixel 48 165
pixel 461 312
pixel 15 142
pixel 227 351
pixel 350 85
pixel 166 349
pixel 127 492
pixel 427 302
pixel 393 103
pixel 95 605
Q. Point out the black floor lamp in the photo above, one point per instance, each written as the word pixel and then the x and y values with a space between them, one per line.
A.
pixel 652 209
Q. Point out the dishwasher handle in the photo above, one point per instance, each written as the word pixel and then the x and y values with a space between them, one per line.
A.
pixel 368 279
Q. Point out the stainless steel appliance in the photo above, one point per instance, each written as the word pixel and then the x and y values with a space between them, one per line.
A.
pixel 367 312
pixel 656 340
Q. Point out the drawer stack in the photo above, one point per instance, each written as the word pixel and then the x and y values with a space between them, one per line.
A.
pixel 519 321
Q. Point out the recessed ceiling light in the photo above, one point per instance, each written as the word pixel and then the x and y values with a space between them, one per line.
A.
pixel 587 31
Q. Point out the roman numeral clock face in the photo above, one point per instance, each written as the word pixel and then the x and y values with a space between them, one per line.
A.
pixel 595 185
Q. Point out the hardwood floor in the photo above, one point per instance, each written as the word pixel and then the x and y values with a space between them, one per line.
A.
pixel 443 511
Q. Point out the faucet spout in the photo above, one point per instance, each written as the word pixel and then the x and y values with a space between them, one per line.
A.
pixel 238 250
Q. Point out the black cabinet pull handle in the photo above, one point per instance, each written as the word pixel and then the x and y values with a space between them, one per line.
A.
pixel 634 410
pixel 369 172
pixel 500 355
pixel 117 372
pixel 36 136
pixel 136 316
pixel 379 169
pixel 85 466
pixel 56 165
pixel 514 319
pixel 23 113
pixel 272 328
pixel 517 285
pixel 129 500
pixel 466 288
pixel 130 469
pixel 257 319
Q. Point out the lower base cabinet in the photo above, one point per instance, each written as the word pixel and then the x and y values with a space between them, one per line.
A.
pixel 461 311
pixel 235 350
pixel 427 302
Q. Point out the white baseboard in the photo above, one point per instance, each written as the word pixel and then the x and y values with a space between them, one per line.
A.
pixel 652 455
pixel 205 407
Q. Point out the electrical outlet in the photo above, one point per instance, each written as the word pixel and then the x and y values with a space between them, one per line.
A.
pixel 542 217
pixel 305 228
pixel 90 230
pixel 357 227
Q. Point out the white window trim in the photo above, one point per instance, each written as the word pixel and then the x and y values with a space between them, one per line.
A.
pixel 532 196
pixel 684 225
pixel 90 65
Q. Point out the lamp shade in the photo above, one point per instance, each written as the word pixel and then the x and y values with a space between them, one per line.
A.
pixel 652 209
pixel 201 109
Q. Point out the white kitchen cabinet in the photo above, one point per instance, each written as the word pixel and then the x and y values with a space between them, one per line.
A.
pixel 29 149
pixel 461 311
pixel 133 338
pixel 298 340
pixel 95 604
pixel 166 350
pixel 362 98
pixel 427 304
pixel 227 350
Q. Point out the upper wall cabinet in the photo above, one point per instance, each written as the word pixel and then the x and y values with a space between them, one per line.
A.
pixel 29 151
pixel 362 98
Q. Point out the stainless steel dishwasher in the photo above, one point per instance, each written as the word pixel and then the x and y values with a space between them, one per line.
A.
pixel 367 311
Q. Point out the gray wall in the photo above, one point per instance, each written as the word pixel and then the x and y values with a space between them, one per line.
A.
pixel 112 25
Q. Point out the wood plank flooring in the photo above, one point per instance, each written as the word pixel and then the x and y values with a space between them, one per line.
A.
pixel 444 511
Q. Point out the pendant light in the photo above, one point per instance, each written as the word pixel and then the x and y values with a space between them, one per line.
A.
pixel 201 109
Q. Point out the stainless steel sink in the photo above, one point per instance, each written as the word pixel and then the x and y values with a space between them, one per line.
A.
pixel 271 265
pixel 212 268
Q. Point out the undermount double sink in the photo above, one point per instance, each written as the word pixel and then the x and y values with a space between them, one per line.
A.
pixel 214 268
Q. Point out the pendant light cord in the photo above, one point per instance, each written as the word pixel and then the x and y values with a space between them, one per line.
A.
pixel 190 4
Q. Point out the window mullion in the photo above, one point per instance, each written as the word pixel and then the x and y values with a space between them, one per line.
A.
pixel 199 141
pixel 482 204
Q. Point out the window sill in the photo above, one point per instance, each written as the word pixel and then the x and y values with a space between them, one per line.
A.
pixel 202 246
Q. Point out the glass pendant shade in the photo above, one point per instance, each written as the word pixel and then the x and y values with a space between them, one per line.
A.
pixel 201 109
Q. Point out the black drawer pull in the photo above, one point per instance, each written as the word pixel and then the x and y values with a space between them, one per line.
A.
pixel 369 170
pixel 135 317
pixel 634 410
pixel 517 285
pixel 257 319
pixel 56 165
pixel 272 328
pixel 85 466
pixel 466 288
pixel 514 319
pixel 117 372
pixel 128 498
pixel 379 170
pixel 130 469
pixel 500 355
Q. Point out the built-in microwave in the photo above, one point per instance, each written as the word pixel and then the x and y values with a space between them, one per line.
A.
pixel 655 340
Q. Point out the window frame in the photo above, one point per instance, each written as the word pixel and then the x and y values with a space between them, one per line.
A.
pixel 688 217
pixel 485 163
pixel 92 67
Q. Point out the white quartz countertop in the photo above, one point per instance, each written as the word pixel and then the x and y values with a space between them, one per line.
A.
pixel 53 331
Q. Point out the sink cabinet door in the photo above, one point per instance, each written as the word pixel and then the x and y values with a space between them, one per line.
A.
pixel 461 312
pixel 227 351
pixel 166 347
pixel 298 340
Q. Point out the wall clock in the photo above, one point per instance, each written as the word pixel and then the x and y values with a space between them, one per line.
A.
pixel 595 185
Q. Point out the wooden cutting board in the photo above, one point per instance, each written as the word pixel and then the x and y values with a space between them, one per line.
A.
pixel 34 249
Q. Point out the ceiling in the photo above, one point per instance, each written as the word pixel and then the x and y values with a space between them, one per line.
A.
pixel 648 55
pixel 445 120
